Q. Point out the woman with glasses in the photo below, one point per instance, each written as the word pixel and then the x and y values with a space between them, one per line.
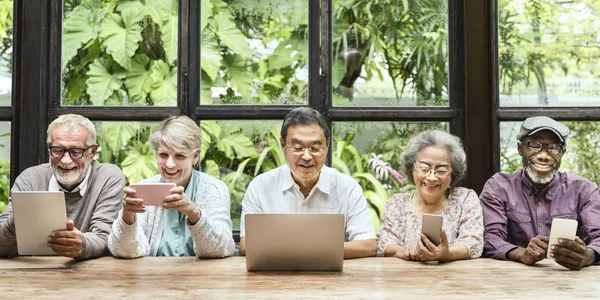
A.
pixel 194 219
pixel 434 161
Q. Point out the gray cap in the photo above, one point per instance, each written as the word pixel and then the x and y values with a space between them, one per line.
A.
pixel 536 124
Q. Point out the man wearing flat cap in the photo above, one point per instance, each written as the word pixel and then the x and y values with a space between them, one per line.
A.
pixel 518 208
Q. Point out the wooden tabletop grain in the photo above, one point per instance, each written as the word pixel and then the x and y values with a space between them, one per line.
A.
pixel 369 278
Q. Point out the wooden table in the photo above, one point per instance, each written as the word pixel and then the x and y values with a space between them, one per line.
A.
pixel 192 278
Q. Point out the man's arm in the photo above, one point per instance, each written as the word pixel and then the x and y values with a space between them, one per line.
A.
pixel 8 237
pixel 356 249
pixel 250 204
pixel 495 222
pixel 359 227
pixel 107 208
pixel 589 232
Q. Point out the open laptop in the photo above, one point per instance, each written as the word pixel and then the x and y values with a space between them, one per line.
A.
pixel 36 215
pixel 294 242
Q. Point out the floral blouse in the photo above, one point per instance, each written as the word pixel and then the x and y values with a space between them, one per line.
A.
pixel 462 221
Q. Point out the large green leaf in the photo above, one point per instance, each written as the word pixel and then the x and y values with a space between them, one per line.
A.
pixel 119 133
pixel 139 79
pixel 212 169
pixel 230 35
pixel 79 27
pixel 148 9
pixel 239 76
pixel 237 145
pixel 164 86
pixel 121 35
pixel 210 56
pixel 205 13
pixel 140 163
pixel 210 132
pixel 169 38
pixel 101 83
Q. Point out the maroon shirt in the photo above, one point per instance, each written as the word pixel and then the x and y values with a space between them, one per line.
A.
pixel 515 212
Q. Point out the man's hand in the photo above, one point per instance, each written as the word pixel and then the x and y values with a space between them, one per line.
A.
pixel 535 251
pixel 572 254
pixel 67 242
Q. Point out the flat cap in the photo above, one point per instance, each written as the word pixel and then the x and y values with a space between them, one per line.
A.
pixel 536 124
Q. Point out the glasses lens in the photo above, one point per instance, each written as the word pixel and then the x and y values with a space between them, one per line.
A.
pixel 57 151
pixel 76 152
pixel 535 146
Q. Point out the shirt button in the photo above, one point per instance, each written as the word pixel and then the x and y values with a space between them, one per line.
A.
pixel 541 225
pixel 540 203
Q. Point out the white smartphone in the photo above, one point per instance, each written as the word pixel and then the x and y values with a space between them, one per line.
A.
pixel 153 194
pixel 561 229
pixel 431 227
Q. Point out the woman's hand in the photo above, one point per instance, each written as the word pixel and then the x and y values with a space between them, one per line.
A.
pixel 409 252
pixel 179 201
pixel 131 206
pixel 427 251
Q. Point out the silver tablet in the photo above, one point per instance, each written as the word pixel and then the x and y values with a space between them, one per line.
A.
pixel 36 215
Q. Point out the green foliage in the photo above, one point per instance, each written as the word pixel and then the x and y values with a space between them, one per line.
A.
pixel 4 183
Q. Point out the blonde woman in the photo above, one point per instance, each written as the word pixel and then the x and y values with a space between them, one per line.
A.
pixel 195 218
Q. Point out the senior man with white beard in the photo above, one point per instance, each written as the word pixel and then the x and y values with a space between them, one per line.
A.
pixel 93 191
pixel 518 208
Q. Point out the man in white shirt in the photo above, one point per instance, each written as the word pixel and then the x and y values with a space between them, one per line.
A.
pixel 306 185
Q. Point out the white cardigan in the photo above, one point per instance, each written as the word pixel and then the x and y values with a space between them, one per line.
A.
pixel 212 234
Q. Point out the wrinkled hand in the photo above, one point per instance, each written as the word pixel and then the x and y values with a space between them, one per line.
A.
pixel 409 252
pixel 427 251
pixel 67 242
pixel 572 254
pixel 536 250
pixel 179 201
pixel 131 206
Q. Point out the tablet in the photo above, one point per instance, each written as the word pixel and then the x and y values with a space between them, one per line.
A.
pixel 153 194
pixel 36 215
pixel 561 229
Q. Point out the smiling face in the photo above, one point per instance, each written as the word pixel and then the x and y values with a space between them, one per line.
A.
pixel 431 188
pixel 541 166
pixel 305 166
pixel 69 171
pixel 175 166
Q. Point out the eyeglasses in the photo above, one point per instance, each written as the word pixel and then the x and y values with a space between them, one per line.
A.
pixel 536 147
pixel 313 150
pixel 75 152
pixel 425 170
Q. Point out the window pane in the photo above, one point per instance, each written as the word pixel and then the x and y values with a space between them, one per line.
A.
pixel 370 152
pixel 548 53
pixel 6 41
pixel 4 164
pixel 254 52
pixel 236 152
pixel 119 53
pixel 127 145
pixel 390 53
pixel 582 156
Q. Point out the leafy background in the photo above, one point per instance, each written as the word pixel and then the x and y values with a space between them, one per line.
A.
pixel 386 53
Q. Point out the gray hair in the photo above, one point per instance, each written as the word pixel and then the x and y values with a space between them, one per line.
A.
pixel 178 133
pixel 304 116
pixel 71 121
pixel 434 138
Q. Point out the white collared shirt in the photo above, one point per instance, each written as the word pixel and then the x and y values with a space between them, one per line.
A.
pixel 54 186
pixel 276 192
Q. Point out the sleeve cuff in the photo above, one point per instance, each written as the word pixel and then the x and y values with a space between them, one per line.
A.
pixel 197 227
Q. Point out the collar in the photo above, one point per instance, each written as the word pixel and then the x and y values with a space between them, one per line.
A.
pixel 548 190
pixel 322 184
pixel 54 186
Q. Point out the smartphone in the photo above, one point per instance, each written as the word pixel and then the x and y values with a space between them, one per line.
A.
pixel 561 229
pixel 153 194
pixel 431 227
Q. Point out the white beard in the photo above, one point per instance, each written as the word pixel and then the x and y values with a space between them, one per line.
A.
pixel 537 179
pixel 71 179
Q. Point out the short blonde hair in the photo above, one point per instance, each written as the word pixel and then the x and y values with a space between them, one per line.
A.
pixel 71 121
pixel 178 133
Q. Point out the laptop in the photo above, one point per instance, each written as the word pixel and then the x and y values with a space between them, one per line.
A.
pixel 36 215
pixel 295 242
